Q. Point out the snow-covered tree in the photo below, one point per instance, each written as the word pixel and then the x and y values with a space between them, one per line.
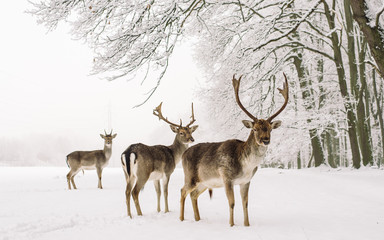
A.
pixel 308 40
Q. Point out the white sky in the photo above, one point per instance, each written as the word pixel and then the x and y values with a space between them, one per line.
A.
pixel 46 88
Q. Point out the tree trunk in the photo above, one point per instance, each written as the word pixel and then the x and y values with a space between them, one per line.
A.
pixel 317 149
pixel 352 60
pixel 332 149
pixel 298 160
pixel 357 93
pixel 351 118
pixel 379 110
pixel 330 140
pixel 363 120
pixel 373 34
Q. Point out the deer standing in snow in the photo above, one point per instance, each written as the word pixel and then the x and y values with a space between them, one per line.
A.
pixel 228 163
pixel 90 160
pixel 142 163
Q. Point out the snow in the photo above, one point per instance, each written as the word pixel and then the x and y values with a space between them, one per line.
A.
pixel 283 204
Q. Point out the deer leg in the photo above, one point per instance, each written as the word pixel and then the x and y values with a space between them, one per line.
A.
pixel 128 191
pixel 135 193
pixel 73 182
pixel 72 177
pixel 184 193
pixel 126 175
pixel 99 171
pixel 165 190
pixel 194 195
pixel 231 200
pixel 244 188
pixel 158 193
pixel 69 175
pixel 135 196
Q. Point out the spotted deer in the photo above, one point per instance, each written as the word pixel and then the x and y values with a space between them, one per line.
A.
pixel 90 160
pixel 228 163
pixel 142 163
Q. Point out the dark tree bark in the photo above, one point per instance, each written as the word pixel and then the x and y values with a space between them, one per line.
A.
pixel 363 120
pixel 373 34
pixel 332 147
pixel 298 160
pixel 351 117
pixel 379 112
pixel 317 149
pixel 357 90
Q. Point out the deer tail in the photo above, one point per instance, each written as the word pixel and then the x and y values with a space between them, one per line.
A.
pixel 128 160
pixel 66 160
pixel 210 191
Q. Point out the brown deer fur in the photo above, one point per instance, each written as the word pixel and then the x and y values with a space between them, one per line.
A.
pixel 228 163
pixel 90 160
pixel 142 163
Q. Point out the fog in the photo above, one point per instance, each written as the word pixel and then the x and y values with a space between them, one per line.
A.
pixel 52 105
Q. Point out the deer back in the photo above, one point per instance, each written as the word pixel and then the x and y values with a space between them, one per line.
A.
pixel 87 158
pixel 157 158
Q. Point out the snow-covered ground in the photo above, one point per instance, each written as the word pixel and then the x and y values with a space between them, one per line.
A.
pixel 283 204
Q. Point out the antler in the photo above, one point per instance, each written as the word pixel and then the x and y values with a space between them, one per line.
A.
pixel 285 94
pixel 157 112
pixel 192 117
pixel 236 85
pixel 106 134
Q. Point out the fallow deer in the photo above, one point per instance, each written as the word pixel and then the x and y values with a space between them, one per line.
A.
pixel 228 163
pixel 90 160
pixel 142 163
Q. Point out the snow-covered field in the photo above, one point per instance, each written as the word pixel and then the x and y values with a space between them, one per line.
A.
pixel 283 204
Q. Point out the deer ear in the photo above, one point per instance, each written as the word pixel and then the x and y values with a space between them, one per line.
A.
pixel 276 124
pixel 174 129
pixel 193 128
pixel 114 135
pixel 102 136
pixel 248 124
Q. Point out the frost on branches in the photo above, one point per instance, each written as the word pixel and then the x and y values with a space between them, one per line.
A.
pixel 128 37
pixel 336 97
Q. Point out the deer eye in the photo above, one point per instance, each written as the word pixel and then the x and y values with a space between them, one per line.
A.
pixel 182 134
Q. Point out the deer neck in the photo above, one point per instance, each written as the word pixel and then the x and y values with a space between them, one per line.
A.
pixel 178 148
pixel 107 151
pixel 251 147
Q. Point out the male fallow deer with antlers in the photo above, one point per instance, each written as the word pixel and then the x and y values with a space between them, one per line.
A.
pixel 228 163
pixel 142 163
pixel 90 160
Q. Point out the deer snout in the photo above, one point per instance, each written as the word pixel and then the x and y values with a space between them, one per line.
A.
pixel 265 141
pixel 191 139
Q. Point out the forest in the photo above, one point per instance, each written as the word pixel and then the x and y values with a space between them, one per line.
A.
pixel 331 51
pixel 77 74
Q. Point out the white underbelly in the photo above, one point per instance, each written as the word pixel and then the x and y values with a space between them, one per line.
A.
pixel 214 183
pixel 90 167
pixel 156 176
pixel 218 182
pixel 243 179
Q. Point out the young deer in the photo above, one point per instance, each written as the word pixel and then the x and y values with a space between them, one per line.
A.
pixel 90 160
pixel 142 163
pixel 228 163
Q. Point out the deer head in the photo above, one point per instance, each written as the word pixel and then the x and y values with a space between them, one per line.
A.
pixel 108 137
pixel 184 134
pixel 261 129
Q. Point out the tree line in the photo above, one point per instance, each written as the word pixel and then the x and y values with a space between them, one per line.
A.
pixel 331 50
